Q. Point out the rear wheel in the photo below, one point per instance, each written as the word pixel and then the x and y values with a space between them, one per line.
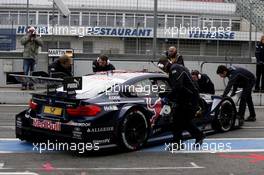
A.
pixel 225 116
pixel 134 130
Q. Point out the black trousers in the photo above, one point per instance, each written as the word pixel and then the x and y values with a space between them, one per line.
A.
pixel 182 121
pixel 259 76
pixel 246 99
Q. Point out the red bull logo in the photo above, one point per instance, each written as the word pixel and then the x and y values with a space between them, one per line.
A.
pixel 156 108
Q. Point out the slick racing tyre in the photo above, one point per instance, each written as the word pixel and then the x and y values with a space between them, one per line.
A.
pixel 134 130
pixel 225 116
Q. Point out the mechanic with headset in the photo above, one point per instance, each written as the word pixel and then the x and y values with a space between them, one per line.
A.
pixel 240 77
pixel 203 82
pixel 185 98
pixel 102 63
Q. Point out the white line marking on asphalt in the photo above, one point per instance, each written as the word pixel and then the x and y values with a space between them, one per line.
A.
pixel 252 127
pixel 13 105
pixel 9 139
pixel 8 127
pixel 18 173
pixel 195 165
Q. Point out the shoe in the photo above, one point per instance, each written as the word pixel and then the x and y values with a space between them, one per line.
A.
pixel 24 88
pixel 251 119
pixel 262 90
pixel 240 120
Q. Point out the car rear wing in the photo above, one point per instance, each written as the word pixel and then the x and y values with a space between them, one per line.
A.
pixel 69 84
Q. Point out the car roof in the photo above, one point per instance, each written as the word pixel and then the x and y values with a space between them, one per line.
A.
pixel 124 76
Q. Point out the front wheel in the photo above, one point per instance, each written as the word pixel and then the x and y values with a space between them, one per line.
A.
pixel 134 130
pixel 225 116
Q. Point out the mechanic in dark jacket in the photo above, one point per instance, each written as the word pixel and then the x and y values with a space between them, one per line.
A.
pixel 260 65
pixel 102 63
pixel 185 99
pixel 204 83
pixel 61 67
pixel 242 78
pixel 172 54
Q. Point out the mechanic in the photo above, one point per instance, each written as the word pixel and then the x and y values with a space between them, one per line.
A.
pixel 185 98
pixel 61 67
pixel 260 65
pixel 239 77
pixel 203 82
pixel 31 45
pixel 172 54
pixel 102 63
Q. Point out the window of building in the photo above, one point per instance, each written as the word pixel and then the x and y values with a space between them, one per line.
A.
pixel 85 19
pixel 129 20
pixel 102 19
pixel 216 23
pixel 43 18
pixel 87 47
pixel 4 18
pixel 110 19
pixel 75 19
pixel 178 21
pixel 195 21
pixel 161 21
pixel 119 20
pixel 53 18
pixel 22 18
pixel 170 21
pixel 187 21
pixel 140 20
pixel 48 45
pixel 226 23
pixel 93 19
pixel 14 17
pixel 64 21
pixel 149 21
pixel 235 25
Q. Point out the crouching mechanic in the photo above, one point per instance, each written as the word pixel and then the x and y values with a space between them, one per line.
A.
pixel 185 98
pixel 240 77
pixel 102 63
pixel 61 67
pixel 204 83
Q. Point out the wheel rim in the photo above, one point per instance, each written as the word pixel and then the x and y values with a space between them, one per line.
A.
pixel 226 115
pixel 135 130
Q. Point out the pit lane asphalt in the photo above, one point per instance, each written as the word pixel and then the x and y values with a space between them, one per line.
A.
pixel 146 161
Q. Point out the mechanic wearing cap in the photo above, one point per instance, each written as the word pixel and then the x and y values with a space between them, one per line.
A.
pixel 102 63
pixel 185 98
pixel 61 67
pixel 31 45
pixel 204 84
pixel 172 54
pixel 240 77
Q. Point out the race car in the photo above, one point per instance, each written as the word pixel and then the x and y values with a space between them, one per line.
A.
pixel 118 108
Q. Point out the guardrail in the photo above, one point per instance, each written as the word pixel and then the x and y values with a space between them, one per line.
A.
pixel 223 62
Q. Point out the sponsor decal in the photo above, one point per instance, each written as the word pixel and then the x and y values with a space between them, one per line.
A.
pixel 104 129
pixel 114 97
pixel 46 124
pixel 110 108
pixel 158 109
pixel 212 35
pixel 101 141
